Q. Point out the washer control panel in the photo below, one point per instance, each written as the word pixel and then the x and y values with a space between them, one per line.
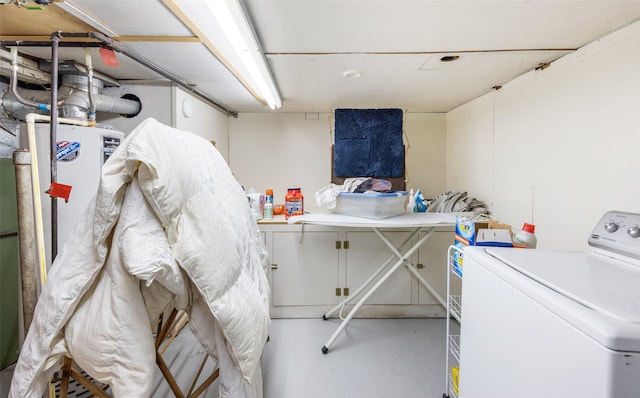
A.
pixel 618 232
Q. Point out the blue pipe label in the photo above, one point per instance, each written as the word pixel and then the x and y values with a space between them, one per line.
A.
pixel 67 151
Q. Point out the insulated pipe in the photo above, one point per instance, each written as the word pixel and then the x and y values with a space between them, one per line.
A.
pixel 14 83
pixel 89 65
pixel 16 108
pixel 26 235
pixel 35 186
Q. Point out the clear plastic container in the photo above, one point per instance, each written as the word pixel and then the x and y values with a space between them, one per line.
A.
pixel 371 205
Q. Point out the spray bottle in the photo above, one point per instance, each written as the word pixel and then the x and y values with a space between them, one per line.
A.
pixel 411 203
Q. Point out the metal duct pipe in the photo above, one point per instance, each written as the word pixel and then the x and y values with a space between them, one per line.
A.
pixel 78 105
pixel 75 95
pixel 26 235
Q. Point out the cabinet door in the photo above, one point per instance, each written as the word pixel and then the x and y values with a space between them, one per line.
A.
pixel 366 253
pixel 305 270
pixel 433 257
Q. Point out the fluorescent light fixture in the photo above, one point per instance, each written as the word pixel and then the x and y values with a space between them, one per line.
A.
pixel 239 31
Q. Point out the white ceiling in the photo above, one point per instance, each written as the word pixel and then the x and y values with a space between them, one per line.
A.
pixel 396 45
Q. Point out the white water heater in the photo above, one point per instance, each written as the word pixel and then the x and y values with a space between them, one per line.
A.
pixel 81 152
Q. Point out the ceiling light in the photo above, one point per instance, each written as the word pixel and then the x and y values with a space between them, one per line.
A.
pixel 237 26
pixel 351 74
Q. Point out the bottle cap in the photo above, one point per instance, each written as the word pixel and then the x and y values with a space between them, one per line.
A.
pixel 270 192
pixel 529 228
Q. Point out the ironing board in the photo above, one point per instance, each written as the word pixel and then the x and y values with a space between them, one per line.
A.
pixel 419 222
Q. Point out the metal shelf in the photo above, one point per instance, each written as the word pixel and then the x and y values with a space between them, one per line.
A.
pixel 454 310
pixel 455 304
pixel 454 346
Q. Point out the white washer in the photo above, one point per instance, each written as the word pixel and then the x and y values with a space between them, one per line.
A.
pixel 543 323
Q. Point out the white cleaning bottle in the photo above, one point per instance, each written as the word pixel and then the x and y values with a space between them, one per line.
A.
pixel 412 200
pixel 526 238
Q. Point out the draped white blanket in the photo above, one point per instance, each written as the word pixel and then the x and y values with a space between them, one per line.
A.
pixel 169 222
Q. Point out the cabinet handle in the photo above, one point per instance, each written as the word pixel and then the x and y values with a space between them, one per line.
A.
pixel 274 266
pixel 338 291
pixel 345 291
pixel 338 245
pixel 419 266
pixel 346 244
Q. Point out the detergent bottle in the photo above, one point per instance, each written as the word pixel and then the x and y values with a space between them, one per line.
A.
pixel 526 238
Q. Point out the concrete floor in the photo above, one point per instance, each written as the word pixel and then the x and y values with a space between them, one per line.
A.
pixel 371 358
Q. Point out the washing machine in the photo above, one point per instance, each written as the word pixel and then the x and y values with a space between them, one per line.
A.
pixel 549 323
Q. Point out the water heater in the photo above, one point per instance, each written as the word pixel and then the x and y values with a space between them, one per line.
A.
pixel 81 152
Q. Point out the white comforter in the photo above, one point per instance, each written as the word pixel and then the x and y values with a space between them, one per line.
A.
pixel 169 222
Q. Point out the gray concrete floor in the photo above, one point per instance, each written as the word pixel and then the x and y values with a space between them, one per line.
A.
pixel 371 358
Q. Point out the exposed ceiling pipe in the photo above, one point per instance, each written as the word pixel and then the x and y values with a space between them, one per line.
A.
pixel 114 45
pixel 92 103
pixel 43 106
pixel 74 99
pixel 53 139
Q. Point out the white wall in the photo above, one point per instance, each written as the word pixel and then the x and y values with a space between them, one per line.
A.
pixel 556 147
pixel 204 120
pixel 282 150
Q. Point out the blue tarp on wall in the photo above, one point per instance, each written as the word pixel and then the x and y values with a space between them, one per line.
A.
pixel 368 143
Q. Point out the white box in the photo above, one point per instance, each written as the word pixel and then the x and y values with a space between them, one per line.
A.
pixel 371 205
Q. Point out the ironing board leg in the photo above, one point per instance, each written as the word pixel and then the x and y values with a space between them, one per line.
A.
pixel 401 260
pixel 368 282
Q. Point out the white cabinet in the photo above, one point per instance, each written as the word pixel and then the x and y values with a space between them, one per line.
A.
pixel 316 267
pixel 305 268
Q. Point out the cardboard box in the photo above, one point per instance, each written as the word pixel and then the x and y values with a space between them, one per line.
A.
pixel 483 233
pixel 494 237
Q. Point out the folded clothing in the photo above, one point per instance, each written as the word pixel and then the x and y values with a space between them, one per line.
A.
pixel 374 185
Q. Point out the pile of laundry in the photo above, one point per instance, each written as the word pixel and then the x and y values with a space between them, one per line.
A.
pixel 449 202
pixel 328 196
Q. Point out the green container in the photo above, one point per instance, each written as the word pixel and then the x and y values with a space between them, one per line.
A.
pixel 9 265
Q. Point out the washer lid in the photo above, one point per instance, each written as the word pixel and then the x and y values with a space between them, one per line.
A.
pixel 608 286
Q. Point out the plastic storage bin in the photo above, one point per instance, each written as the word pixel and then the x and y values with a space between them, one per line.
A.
pixel 371 205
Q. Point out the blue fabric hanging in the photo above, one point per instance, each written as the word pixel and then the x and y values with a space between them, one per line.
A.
pixel 368 142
